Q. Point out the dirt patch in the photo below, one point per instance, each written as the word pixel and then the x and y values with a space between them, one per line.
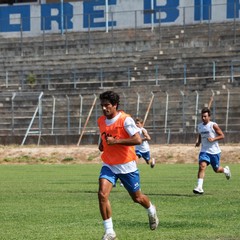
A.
pixel 189 153
pixel 90 154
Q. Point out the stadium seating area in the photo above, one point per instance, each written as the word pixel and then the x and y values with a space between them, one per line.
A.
pixel 49 83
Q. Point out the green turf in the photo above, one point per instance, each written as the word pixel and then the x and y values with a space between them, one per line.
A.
pixel 60 202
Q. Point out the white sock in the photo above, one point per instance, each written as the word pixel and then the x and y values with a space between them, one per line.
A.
pixel 108 225
pixel 225 170
pixel 151 210
pixel 200 182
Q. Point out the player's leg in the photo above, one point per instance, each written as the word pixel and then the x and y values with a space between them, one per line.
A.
pixel 131 182
pixel 105 188
pixel 106 181
pixel 143 200
pixel 204 161
pixel 201 169
pixel 139 155
pixel 146 157
pixel 152 161
pixel 215 163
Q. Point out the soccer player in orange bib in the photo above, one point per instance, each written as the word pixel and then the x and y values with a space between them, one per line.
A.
pixel 119 135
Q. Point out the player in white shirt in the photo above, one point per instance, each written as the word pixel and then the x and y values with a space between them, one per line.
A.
pixel 143 150
pixel 208 135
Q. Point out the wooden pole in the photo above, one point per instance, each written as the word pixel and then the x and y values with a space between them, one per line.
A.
pixel 148 109
pixel 210 100
pixel 89 115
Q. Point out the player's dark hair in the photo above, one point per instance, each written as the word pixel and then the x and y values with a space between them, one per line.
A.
pixel 138 119
pixel 206 110
pixel 110 96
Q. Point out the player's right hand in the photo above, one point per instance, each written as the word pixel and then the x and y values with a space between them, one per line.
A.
pixel 197 144
pixel 100 147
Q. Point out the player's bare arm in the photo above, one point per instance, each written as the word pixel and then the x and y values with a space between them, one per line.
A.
pixel 219 132
pixel 131 141
pixel 146 135
pixel 198 141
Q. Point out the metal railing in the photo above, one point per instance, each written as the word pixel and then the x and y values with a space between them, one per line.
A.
pixel 153 75
pixel 167 113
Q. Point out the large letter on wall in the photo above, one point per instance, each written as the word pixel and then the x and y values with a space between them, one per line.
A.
pixel 14 17
pixel 52 13
pixel 233 6
pixel 169 10
pixel 91 16
pixel 202 9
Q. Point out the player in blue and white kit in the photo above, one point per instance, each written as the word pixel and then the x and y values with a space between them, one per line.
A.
pixel 143 150
pixel 208 135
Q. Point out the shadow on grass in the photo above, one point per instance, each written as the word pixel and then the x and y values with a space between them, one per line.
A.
pixel 191 195
pixel 176 195
pixel 177 224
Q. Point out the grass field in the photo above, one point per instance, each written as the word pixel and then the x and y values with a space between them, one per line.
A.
pixel 60 202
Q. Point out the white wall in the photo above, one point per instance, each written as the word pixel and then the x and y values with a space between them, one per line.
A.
pixel 122 14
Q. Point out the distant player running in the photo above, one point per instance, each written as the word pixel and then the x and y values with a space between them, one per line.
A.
pixel 210 153
pixel 143 150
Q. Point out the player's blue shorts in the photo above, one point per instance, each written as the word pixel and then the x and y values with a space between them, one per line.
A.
pixel 213 159
pixel 144 155
pixel 131 181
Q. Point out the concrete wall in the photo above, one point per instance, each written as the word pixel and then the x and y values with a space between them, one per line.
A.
pixel 157 138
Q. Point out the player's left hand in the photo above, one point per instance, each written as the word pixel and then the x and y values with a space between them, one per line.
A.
pixel 210 139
